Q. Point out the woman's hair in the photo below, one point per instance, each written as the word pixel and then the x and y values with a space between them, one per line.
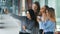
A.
pixel 33 16
pixel 51 11
pixel 38 5
pixel 31 12
pixel 47 7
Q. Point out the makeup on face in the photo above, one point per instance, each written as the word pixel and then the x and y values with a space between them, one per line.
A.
pixel 34 7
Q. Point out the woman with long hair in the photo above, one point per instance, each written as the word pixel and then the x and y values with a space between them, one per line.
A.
pixel 36 9
pixel 49 24
pixel 41 17
pixel 29 22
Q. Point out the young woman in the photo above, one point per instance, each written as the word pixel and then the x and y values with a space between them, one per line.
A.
pixel 36 9
pixel 49 24
pixel 41 17
pixel 29 22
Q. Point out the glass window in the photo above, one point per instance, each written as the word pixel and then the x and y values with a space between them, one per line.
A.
pixel 58 14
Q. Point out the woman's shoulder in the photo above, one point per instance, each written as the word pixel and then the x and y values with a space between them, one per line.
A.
pixel 51 22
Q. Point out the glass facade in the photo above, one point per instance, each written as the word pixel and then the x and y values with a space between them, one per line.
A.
pixel 11 5
pixel 58 14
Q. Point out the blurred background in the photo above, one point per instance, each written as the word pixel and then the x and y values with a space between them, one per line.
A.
pixel 19 7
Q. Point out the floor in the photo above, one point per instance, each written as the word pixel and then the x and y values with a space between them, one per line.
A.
pixel 9 31
pixel 8 25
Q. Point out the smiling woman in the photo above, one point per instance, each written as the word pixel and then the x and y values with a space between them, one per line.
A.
pixel 16 11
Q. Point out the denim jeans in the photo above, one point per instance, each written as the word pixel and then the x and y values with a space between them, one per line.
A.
pixel 23 33
pixel 49 33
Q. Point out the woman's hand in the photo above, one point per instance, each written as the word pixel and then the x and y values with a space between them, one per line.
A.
pixel 38 18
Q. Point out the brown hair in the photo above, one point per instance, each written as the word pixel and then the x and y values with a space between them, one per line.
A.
pixel 51 11
pixel 38 5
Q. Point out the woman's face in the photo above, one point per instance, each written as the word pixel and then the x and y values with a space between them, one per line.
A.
pixel 42 9
pixel 28 15
pixel 34 7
